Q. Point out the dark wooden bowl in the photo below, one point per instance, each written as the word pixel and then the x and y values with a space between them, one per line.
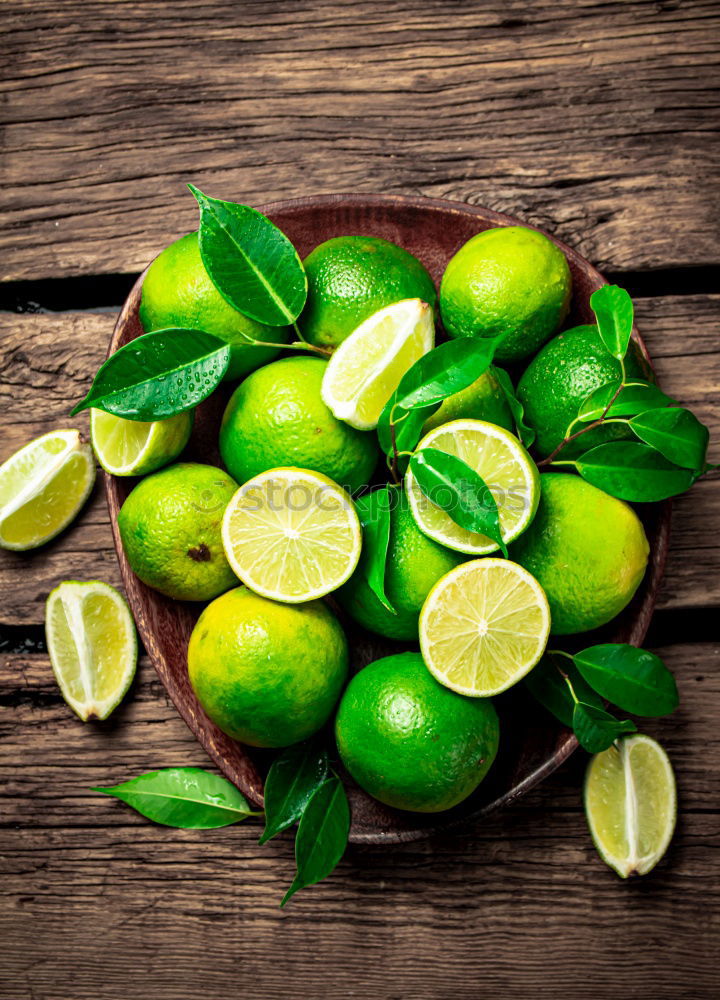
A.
pixel 532 745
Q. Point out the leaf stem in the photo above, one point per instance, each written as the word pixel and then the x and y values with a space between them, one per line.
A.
pixel 583 430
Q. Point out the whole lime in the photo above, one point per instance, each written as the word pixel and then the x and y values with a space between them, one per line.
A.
pixel 411 742
pixel 350 278
pixel 561 376
pixel 511 282
pixel 277 418
pixel 587 550
pixel 482 400
pixel 170 527
pixel 267 674
pixel 414 564
pixel 177 292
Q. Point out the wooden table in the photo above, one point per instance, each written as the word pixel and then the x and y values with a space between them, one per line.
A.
pixel 597 121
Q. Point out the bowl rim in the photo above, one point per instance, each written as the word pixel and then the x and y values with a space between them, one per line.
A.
pixel 640 624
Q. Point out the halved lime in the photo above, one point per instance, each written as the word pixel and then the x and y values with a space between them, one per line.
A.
pixel 631 804
pixel 366 368
pixel 92 644
pixel 42 488
pixel 484 626
pixel 507 470
pixel 136 447
pixel 291 535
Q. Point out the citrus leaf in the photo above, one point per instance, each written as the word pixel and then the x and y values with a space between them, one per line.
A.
pixel 292 779
pixel 250 261
pixel 635 397
pixel 633 679
pixel 676 433
pixel 596 729
pixel 444 371
pixel 322 835
pixel 546 684
pixel 525 433
pixel 454 486
pixel 633 471
pixel 407 424
pixel 184 797
pixel 158 375
pixel 374 513
pixel 613 310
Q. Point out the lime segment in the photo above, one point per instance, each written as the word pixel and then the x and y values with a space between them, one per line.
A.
pixel 366 369
pixel 291 535
pixel 42 488
pixel 92 644
pixel 505 467
pixel 484 626
pixel 631 804
pixel 136 447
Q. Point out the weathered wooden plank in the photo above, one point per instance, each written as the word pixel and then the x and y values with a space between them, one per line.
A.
pixel 176 914
pixel 596 121
pixel 47 361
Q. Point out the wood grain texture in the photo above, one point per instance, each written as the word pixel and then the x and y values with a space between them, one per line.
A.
pixel 519 906
pixel 47 362
pixel 596 121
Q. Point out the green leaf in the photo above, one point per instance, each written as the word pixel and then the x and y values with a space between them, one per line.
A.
pixel 525 433
pixel 250 261
pixel 158 375
pixel 408 426
pixel 374 513
pixel 546 684
pixel 635 397
pixel 444 371
pixel 633 679
pixel 291 782
pixel 596 729
pixel 185 797
pixel 613 310
pixel 633 471
pixel 454 486
pixel 676 433
pixel 322 835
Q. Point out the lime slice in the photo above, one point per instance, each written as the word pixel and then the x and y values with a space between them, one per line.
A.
pixel 42 488
pixel 136 447
pixel 484 625
pixel 366 368
pixel 92 644
pixel 631 804
pixel 504 466
pixel 291 535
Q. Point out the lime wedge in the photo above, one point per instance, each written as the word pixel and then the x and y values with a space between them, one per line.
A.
pixel 506 469
pixel 136 447
pixel 291 535
pixel 42 488
pixel 484 626
pixel 92 644
pixel 366 368
pixel 631 804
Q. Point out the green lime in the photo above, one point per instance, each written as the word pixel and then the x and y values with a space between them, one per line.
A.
pixel 414 565
pixel 561 376
pixel 587 550
pixel 170 527
pixel 631 804
pixel 512 282
pixel 483 400
pixel 276 418
pixel 136 447
pixel 177 291
pixel 267 674
pixel 409 741
pixel 352 277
